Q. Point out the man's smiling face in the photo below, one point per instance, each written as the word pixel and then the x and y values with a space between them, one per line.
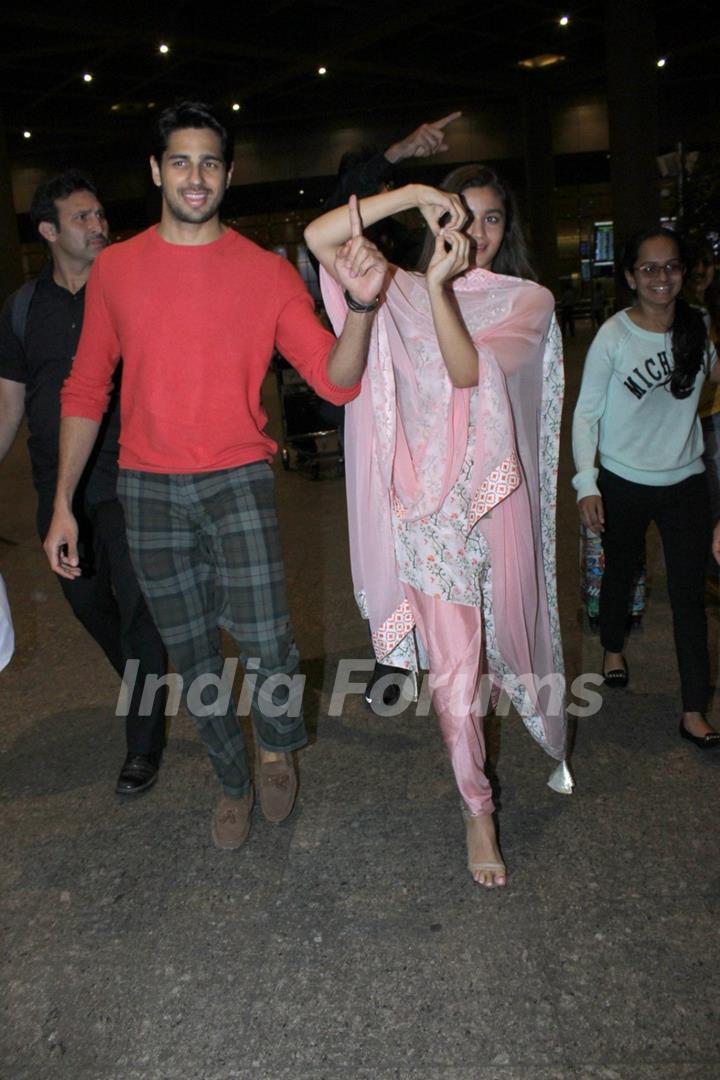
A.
pixel 192 175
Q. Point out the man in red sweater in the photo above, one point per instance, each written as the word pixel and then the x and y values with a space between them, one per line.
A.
pixel 196 310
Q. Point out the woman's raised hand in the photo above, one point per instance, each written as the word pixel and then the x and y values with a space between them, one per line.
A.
pixel 434 205
pixel 450 258
pixel 360 266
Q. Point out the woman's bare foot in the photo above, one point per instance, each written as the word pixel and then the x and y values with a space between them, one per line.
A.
pixel 484 858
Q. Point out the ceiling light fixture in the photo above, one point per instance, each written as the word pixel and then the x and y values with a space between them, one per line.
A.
pixel 564 20
pixel 236 106
pixel 164 49
pixel 87 77
pixel 27 134
pixel 322 71
pixel 533 63
pixel 662 62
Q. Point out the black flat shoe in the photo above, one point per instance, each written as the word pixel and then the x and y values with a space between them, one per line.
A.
pixel 393 689
pixel 618 677
pixel 139 772
pixel 705 742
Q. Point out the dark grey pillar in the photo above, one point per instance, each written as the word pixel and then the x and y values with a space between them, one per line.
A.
pixel 540 178
pixel 10 263
pixel 632 115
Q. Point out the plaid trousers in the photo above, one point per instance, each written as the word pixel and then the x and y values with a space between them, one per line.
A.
pixel 206 551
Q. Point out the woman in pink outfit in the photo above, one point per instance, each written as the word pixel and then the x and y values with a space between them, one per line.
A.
pixel 451 461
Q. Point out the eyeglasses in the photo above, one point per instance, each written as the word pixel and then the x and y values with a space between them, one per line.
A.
pixel 652 270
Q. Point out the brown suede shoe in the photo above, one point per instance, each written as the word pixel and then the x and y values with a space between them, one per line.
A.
pixel 276 783
pixel 231 821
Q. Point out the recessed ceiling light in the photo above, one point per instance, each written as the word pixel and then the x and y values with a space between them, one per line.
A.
pixel 236 106
pixel 87 77
pixel 164 49
pixel 662 62
pixel 564 20
pixel 322 71
pixel 27 134
pixel 544 60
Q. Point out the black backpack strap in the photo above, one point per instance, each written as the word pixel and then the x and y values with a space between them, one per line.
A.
pixel 20 307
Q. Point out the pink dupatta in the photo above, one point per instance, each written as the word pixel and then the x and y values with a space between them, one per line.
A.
pixel 406 439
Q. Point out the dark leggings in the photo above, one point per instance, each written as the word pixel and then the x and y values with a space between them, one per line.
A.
pixel 682 514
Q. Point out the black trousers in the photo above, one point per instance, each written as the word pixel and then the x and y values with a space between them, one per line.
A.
pixel 682 515
pixel 108 602
pixel 567 321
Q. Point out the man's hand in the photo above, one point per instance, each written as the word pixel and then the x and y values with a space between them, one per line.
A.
pixel 592 513
pixel 359 266
pixel 716 542
pixel 12 410
pixel 61 545
pixel 425 141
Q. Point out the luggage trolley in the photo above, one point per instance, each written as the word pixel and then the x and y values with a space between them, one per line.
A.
pixel 311 439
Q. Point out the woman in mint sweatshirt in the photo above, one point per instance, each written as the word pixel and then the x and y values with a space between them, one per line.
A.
pixel 637 409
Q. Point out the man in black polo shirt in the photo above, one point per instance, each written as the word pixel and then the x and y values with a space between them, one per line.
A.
pixel 39 330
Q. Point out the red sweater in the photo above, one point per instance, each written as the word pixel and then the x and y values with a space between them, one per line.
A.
pixel 196 328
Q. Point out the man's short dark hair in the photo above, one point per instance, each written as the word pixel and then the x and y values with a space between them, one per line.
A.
pixel 353 159
pixel 190 114
pixel 44 202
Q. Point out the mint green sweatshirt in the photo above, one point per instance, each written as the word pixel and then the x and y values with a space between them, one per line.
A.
pixel 625 412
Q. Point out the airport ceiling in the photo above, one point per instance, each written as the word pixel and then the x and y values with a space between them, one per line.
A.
pixel 384 60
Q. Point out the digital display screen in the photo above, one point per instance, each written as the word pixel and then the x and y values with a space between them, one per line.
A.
pixel 603 242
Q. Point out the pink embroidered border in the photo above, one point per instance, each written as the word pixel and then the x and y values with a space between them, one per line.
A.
pixel 398 508
pixel 393 630
pixel 496 487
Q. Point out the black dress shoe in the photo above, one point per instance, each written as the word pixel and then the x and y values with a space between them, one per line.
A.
pixel 618 677
pixel 705 742
pixel 139 772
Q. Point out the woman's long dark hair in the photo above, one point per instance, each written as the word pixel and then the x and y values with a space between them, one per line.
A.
pixel 689 335
pixel 512 258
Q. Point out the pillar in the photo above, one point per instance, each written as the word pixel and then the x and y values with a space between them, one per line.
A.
pixel 11 275
pixel 540 177
pixel 632 116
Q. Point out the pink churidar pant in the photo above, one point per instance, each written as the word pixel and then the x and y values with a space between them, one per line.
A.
pixel 452 635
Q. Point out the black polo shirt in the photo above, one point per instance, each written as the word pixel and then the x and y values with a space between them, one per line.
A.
pixel 43 363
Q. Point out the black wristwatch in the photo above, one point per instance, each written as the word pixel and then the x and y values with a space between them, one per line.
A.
pixel 361 309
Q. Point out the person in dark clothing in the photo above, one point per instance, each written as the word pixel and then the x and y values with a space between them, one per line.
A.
pixel 39 331
pixel 366 171
pixel 598 304
pixel 567 311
